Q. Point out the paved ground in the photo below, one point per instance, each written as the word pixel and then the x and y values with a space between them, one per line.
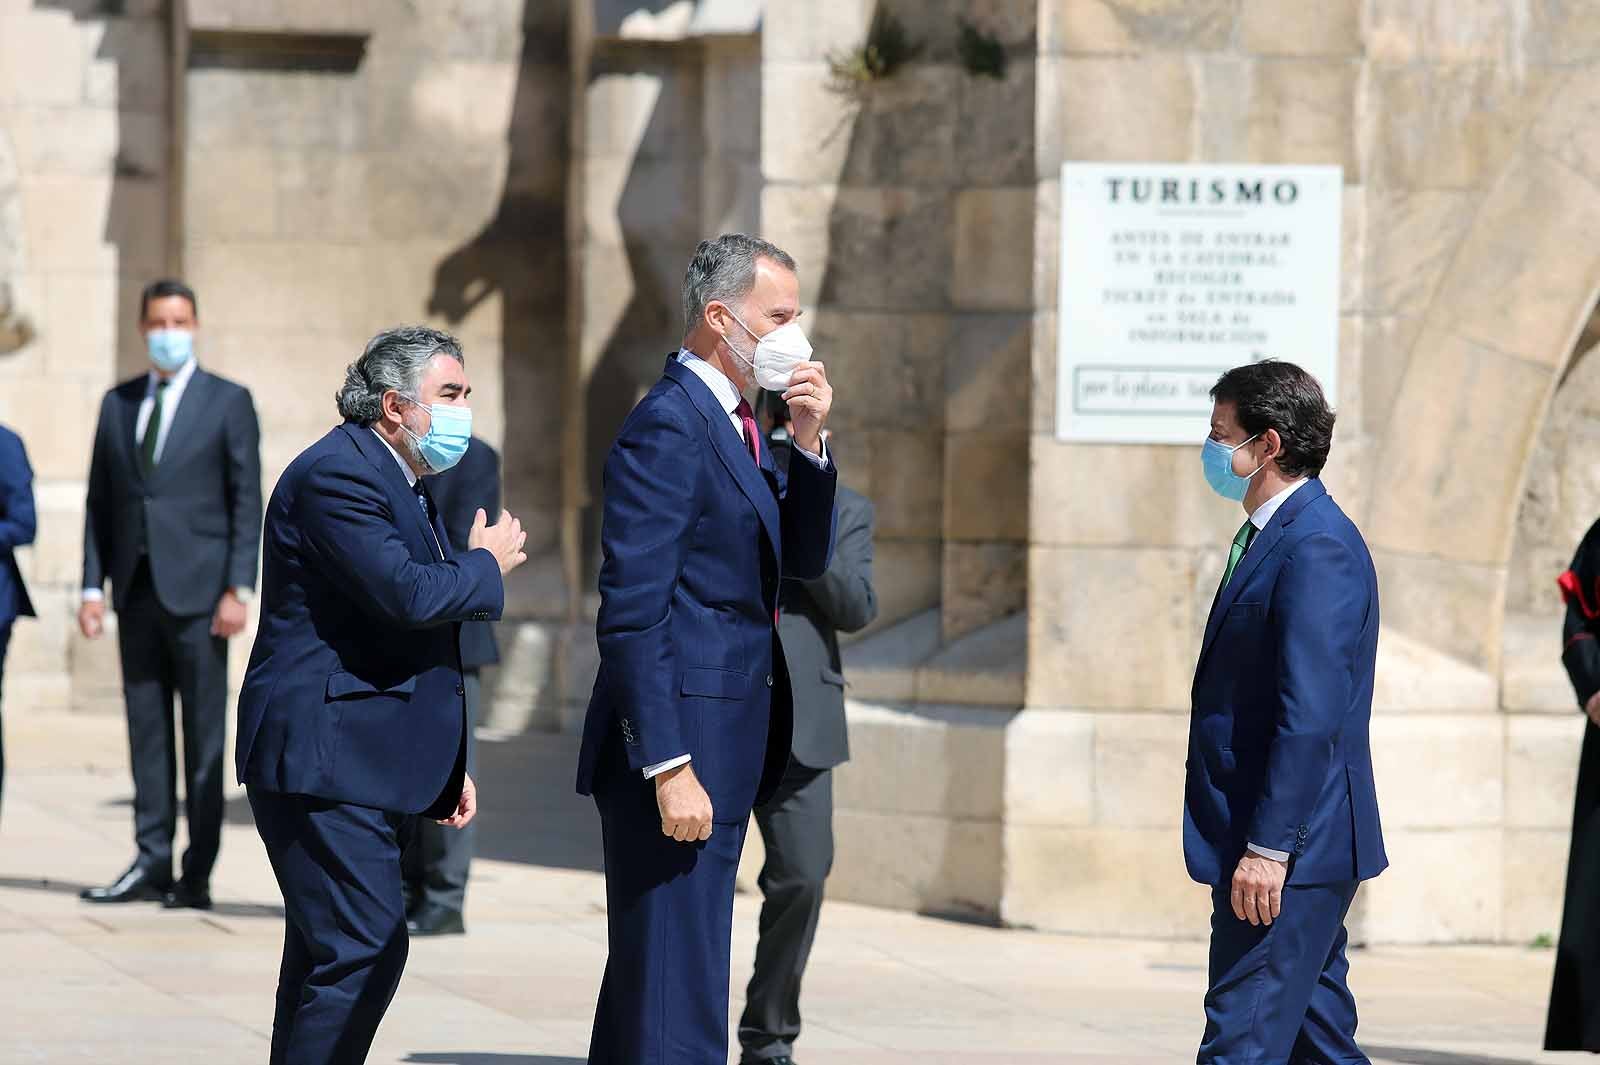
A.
pixel 101 985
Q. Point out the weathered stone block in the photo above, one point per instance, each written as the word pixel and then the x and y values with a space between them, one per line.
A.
pixel 1535 883
pixel 1522 282
pixel 907 506
pixel 793 33
pixel 906 575
pixel 1412 239
pixel 1050 769
pixel 927 864
pixel 994 141
pixel 925 760
pixel 1322 29
pixel 888 249
pixel 1139 769
pixel 1541 769
pixel 1156 498
pixel 1465 755
pixel 1122 26
pixel 1413 903
pixel 42 59
pixel 1303 111
pixel 317 195
pixel 982 583
pixel 986 486
pixel 1152 96
pixel 1088 606
pixel 887 370
pixel 1415 676
pixel 1056 878
pixel 1451 386
pixel 1453 607
pixel 1448 126
pixel 987 372
pixel 1042 417
pixel 993 258
pixel 796 219
pixel 233 194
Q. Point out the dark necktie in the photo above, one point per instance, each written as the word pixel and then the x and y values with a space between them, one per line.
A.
pixel 152 429
pixel 426 501
pixel 1241 544
pixel 752 439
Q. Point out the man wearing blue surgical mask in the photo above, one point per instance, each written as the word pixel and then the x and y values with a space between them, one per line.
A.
pixel 353 714
pixel 173 521
pixel 1280 808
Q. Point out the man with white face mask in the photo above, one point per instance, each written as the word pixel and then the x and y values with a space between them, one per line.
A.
pixel 689 725
pixel 173 521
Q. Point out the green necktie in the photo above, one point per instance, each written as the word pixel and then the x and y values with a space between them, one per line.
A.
pixel 152 430
pixel 1241 544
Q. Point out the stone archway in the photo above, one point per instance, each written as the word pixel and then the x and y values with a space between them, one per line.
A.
pixel 1498 333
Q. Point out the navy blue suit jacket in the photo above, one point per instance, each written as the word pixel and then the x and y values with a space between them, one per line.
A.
pixel 354 691
pixel 1279 751
pixel 695 540
pixel 18 524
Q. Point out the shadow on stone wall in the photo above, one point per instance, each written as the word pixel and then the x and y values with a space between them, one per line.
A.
pixel 520 257
pixel 137 211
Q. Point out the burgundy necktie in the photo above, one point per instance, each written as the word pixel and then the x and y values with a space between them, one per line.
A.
pixel 752 439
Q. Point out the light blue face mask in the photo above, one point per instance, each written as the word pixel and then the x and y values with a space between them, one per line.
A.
pixel 1217 458
pixel 170 349
pixel 447 437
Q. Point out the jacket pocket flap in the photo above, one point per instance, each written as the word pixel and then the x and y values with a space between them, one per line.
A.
pixel 342 685
pixel 1247 610
pixel 715 683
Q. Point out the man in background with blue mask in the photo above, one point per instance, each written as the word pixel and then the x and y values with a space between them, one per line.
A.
pixel 1280 808
pixel 173 521
pixel 353 713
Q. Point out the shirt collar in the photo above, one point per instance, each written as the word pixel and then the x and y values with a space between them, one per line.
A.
pixel 405 467
pixel 1265 511
pixel 177 382
pixel 718 381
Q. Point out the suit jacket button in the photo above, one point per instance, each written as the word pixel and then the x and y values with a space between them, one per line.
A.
pixel 769 680
pixel 461 689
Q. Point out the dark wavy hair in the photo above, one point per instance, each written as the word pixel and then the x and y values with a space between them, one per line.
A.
pixel 1282 396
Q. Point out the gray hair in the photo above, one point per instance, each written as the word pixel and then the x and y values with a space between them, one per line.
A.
pixel 393 361
pixel 725 270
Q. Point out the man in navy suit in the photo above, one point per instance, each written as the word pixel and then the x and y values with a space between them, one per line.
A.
pixel 689 724
pixel 352 718
pixel 17 527
pixel 1280 810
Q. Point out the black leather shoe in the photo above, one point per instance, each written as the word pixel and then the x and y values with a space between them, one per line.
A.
pixel 185 896
pixel 136 885
pixel 766 1061
pixel 434 920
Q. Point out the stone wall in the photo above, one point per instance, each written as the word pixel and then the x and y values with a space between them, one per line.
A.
pixel 84 182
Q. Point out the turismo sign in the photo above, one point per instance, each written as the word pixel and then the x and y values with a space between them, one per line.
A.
pixel 1172 274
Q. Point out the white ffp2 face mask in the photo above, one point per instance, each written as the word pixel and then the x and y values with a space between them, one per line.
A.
pixel 777 354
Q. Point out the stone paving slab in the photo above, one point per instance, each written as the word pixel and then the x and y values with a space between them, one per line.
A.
pixel 97 985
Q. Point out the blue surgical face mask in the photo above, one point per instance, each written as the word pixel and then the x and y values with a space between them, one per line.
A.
pixel 170 349
pixel 447 437
pixel 1217 458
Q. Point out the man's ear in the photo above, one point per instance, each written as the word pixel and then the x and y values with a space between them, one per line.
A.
pixel 1274 445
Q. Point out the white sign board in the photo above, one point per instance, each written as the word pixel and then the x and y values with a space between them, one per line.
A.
pixel 1173 274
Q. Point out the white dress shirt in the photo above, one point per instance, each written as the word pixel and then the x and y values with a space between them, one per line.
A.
pixel 1259 519
pixel 169 411
pixel 411 479
pixel 729 397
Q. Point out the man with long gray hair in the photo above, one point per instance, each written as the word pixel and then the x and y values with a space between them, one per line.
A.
pixel 689 724
pixel 353 713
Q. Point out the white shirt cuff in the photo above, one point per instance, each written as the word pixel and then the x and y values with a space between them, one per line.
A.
pixel 820 461
pixel 244 595
pixel 1277 856
pixel 94 595
pixel 662 767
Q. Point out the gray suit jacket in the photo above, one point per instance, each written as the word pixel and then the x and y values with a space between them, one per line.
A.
pixel 198 514
pixel 813 614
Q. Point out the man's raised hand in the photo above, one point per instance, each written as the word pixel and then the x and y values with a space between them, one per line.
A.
pixel 504 539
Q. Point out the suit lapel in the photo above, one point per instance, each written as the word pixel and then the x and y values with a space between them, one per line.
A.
pixel 1263 547
pixel 401 498
pixel 185 420
pixel 752 481
pixel 128 429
